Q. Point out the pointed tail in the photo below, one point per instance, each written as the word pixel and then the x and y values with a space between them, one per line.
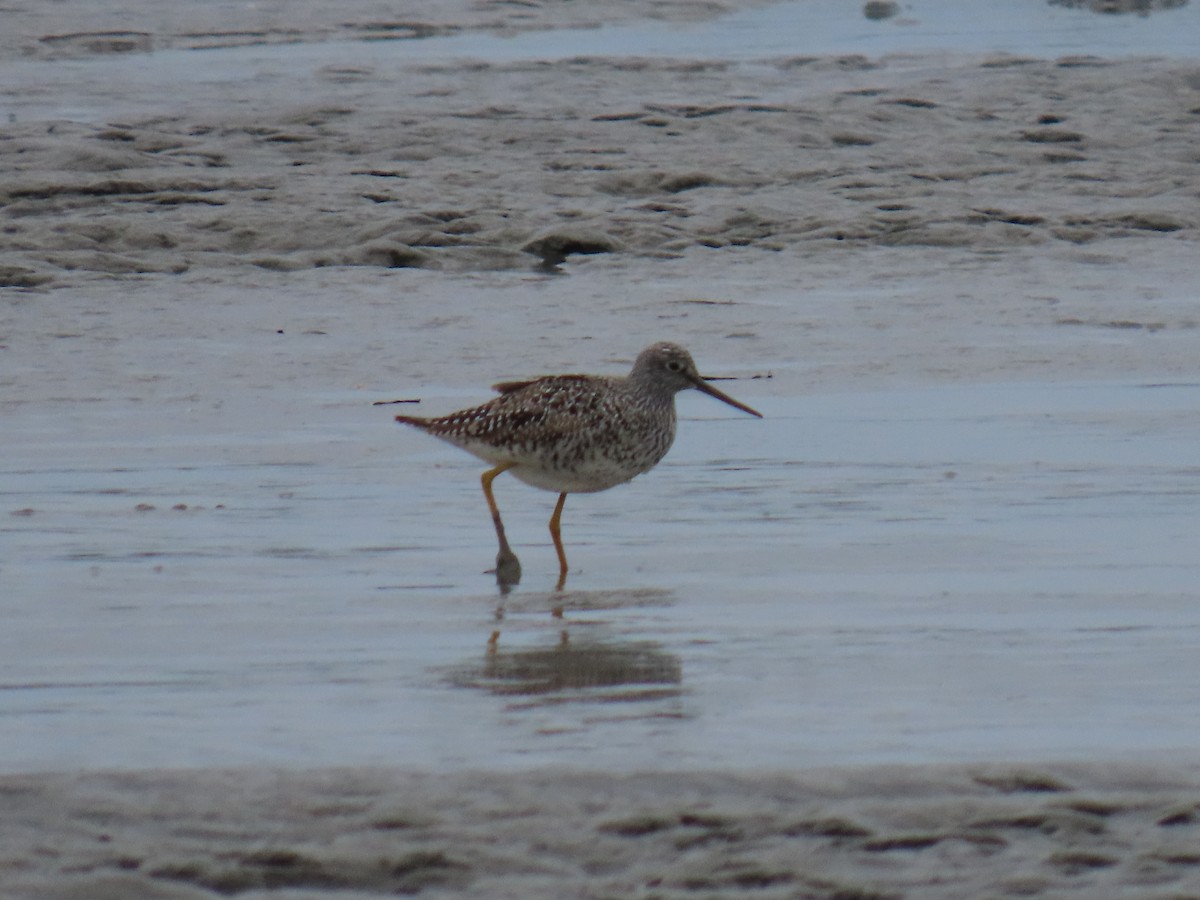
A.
pixel 413 420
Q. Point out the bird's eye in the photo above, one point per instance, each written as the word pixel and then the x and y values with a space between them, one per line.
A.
pixel 674 366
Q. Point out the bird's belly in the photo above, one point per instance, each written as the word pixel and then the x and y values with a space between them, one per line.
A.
pixel 585 479
pixel 588 460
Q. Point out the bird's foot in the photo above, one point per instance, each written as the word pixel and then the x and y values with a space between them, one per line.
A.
pixel 508 568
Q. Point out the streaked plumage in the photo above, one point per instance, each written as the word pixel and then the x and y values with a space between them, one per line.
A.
pixel 575 433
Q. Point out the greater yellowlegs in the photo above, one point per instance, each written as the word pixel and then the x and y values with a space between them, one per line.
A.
pixel 574 433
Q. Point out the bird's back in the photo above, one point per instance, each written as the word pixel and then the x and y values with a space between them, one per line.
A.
pixel 572 433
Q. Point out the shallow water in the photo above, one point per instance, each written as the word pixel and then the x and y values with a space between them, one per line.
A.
pixel 922 574
pixel 1032 27
pixel 919 575
pixel 1021 27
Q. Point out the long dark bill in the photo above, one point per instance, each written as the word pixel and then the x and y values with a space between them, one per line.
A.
pixel 706 388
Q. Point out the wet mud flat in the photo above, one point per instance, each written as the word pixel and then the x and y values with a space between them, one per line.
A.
pixel 1047 831
pixel 470 166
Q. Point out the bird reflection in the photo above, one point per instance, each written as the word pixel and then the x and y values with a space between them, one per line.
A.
pixel 1117 7
pixel 558 602
pixel 598 670
pixel 572 665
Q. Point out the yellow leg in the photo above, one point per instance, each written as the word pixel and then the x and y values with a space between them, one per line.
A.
pixel 508 567
pixel 556 534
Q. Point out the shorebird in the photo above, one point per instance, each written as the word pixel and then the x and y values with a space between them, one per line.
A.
pixel 574 433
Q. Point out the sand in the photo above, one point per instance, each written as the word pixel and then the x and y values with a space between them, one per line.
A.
pixel 495 166
pixel 1060 831
pixel 227 228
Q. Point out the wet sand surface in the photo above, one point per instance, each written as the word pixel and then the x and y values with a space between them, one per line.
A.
pixel 927 629
pixel 1057 831
pixel 495 165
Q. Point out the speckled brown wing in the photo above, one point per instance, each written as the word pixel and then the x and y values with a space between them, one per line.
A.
pixel 528 417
